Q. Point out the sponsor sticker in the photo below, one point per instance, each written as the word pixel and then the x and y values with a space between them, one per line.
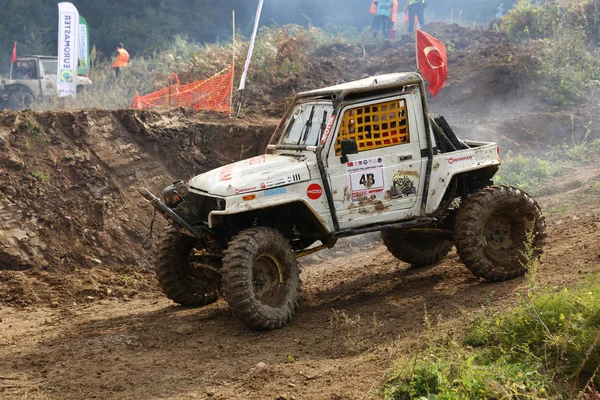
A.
pixel 460 160
pixel 314 191
pixel 328 129
pixel 280 181
pixel 258 160
pixel 246 189
pixel 275 192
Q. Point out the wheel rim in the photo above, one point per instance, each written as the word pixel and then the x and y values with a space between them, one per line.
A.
pixel 504 236
pixel 498 233
pixel 267 280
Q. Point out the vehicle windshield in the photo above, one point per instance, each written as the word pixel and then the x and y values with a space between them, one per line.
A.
pixel 24 69
pixel 306 125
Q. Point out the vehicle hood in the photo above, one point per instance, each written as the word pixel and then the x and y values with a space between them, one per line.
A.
pixel 254 174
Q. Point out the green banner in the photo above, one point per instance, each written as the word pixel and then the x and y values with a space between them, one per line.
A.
pixel 84 47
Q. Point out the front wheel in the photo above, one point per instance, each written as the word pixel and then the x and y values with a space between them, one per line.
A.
pixel 260 278
pixel 185 275
pixel 491 232
pixel 20 101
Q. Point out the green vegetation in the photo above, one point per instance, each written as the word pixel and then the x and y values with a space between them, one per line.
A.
pixel 40 176
pixel 569 66
pixel 548 346
pixel 531 173
pixel 527 173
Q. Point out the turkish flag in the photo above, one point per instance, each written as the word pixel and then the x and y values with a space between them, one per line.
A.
pixel 431 60
pixel 14 53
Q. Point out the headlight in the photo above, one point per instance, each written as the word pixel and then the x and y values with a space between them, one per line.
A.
pixel 175 193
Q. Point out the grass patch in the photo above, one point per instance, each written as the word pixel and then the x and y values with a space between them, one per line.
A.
pixel 548 346
pixel 40 176
pixel 526 173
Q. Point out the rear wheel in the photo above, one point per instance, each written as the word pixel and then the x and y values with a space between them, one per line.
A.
pixel 417 248
pixel 260 278
pixel 491 231
pixel 185 275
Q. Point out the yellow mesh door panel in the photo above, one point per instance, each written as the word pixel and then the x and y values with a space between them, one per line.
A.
pixel 375 126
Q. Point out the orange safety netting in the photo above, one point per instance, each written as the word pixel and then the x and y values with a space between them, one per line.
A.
pixel 209 94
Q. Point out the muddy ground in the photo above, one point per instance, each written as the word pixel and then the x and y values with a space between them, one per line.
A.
pixel 80 312
pixel 359 312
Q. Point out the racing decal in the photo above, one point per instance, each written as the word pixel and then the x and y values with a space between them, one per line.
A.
pixel 245 189
pixel 275 192
pixel 226 172
pixel 460 160
pixel 314 191
pixel 328 129
pixel 280 181
pixel 402 186
pixel 258 160
pixel 367 179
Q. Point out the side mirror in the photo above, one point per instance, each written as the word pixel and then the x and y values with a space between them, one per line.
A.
pixel 348 146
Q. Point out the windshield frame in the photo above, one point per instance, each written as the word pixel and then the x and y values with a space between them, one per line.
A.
pixel 288 119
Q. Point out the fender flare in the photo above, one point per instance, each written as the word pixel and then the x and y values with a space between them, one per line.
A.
pixel 262 204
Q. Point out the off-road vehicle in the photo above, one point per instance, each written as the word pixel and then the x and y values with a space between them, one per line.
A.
pixel 32 78
pixel 358 157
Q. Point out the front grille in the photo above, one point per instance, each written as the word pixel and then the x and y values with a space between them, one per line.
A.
pixel 205 204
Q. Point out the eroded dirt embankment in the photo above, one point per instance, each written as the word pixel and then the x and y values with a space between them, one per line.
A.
pixel 69 188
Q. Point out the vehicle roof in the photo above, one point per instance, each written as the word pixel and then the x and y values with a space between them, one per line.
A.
pixel 34 56
pixel 388 80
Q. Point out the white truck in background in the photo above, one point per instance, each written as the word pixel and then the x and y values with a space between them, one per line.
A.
pixel 32 78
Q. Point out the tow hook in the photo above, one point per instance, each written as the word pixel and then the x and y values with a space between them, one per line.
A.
pixel 170 214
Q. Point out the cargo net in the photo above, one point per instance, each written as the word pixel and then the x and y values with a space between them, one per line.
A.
pixel 374 126
pixel 209 94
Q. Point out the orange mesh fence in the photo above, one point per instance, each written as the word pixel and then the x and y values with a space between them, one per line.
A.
pixel 209 94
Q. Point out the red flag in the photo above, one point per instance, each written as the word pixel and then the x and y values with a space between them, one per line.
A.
pixel 432 61
pixel 14 53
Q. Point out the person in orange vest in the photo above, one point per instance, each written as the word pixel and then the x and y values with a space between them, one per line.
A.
pixel 393 18
pixel 382 18
pixel 122 58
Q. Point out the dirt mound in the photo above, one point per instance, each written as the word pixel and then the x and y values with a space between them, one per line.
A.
pixel 69 182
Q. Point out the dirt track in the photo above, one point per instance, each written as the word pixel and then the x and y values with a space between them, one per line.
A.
pixel 358 312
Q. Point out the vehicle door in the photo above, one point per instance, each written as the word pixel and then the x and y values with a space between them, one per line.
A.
pixel 381 181
pixel 48 77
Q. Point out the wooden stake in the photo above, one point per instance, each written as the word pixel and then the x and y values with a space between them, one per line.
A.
pixel 232 62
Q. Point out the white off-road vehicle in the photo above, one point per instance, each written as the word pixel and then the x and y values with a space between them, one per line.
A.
pixel 32 78
pixel 358 157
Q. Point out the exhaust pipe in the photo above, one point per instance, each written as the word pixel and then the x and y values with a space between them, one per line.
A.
pixel 170 214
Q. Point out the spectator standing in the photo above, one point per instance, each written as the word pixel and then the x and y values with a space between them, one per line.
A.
pixel 393 18
pixel 415 8
pixel 382 19
pixel 500 11
pixel 122 58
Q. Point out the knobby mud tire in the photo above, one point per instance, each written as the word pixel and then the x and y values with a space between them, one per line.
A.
pixel 176 277
pixel 418 249
pixel 491 229
pixel 19 101
pixel 261 279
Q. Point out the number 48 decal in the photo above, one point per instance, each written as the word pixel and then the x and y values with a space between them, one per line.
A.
pixel 367 180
